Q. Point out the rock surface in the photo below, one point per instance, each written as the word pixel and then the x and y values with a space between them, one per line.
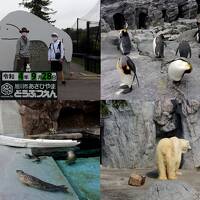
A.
pixel 190 116
pixel 114 184
pixel 39 116
pixel 155 11
pixel 173 190
pixel 131 132
pixel 129 136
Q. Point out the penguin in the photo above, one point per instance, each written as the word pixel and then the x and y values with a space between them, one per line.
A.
pixel 197 35
pixel 127 71
pixel 178 68
pixel 158 46
pixel 124 42
pixel 184 49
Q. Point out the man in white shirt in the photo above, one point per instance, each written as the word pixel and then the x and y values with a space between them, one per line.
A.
pixel 56 56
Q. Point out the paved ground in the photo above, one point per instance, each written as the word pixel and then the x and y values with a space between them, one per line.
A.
pixel 81 85
pixel 11 188
pixel 80 90
pixel 114 183
pixel 153 83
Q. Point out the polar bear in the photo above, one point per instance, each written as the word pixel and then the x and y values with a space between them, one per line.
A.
pixel 168 156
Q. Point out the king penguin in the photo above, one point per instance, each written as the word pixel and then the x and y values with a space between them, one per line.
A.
pixel 127 71
pixel 184 49
pixel 178 68
pixel 158 46
pixel 124 42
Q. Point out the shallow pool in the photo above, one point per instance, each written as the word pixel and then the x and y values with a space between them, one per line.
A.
pixel 84 176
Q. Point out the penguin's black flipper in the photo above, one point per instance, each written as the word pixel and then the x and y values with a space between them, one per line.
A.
pixel 190 52
pixel 133 68
pixel 131 64
pixel 177 50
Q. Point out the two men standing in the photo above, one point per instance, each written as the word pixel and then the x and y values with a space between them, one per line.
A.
pixel 55 54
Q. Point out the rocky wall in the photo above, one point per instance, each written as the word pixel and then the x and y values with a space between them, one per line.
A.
pixel 157 11
pixel 131 132
pixel 39 116
pixel 129 136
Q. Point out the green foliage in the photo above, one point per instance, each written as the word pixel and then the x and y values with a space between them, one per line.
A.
pixel 115 103
pixel 39 8
pixel 119 103
pixel 104 109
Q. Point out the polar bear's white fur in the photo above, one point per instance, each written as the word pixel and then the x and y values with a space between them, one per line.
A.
pixel 168 156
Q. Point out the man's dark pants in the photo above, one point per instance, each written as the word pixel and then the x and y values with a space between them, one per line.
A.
pixel 22 63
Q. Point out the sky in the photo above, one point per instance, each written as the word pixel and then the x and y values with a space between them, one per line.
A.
pixel 67 10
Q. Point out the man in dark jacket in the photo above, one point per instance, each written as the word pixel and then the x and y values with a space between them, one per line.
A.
pixel 23 50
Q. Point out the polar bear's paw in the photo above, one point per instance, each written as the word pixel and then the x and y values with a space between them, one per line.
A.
pixel 163 178
pixel 179 173
pixel 172 178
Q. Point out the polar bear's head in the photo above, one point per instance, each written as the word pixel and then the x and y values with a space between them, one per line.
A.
pixel 185 145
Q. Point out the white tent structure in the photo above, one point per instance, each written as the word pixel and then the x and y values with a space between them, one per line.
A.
pixel 94 14
pixel 40 30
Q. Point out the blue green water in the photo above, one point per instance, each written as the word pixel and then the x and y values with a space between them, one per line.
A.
pixel 84 176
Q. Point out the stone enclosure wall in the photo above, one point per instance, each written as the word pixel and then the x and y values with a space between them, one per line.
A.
pixel 39 116
pixel 142 13
pixel 130 133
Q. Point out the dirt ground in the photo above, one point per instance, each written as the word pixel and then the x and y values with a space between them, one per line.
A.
pixel 114 183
